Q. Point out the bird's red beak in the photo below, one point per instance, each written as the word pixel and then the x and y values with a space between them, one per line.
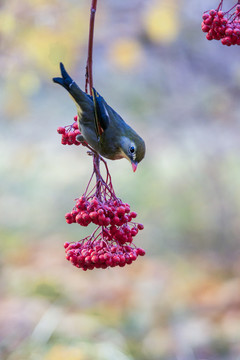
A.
pixel 134 166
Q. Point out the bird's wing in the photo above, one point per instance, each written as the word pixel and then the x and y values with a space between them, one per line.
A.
pixel 101 114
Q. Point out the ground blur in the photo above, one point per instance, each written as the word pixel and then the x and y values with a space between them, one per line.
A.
pixel 181 92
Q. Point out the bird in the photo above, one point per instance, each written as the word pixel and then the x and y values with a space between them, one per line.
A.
pixel 101 126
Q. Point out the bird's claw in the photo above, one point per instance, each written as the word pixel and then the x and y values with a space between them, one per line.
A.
pixel 90 153
pixel 80 138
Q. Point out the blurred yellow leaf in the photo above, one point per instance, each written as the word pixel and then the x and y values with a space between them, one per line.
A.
pixel 15 103
pixel 29 82
pixel 38 3
pixel 7 23
pixel 125 53
pixel 60 352
pixel 48 45
pixel 161 22
pixel 46 48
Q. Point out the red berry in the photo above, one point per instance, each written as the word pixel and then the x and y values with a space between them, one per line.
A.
pixel 80 259
pixel 93 215
pixel 226 41
pixel 134 231
pixel 113 249
pixel 205 16
pixel 209 37
pixel 101 219
pixel 106 256
pixel 133 214
pixel 61 130
pixel 101 258
pixel 128 259
pixel 141 252
pixel 127 208
pixel 69 218
pixel 216 21
pixel 212 12
pixel 107 221
pixel 205 28
pixel 208 21
pixel 133 256
pixel 124 219
pixel 237 31
pixel 228 31
pixel 88 259
pixel 116 259
pixel 94 259
pixel 140 226
pixel 120 210
pixel 224 21
pixel 115 220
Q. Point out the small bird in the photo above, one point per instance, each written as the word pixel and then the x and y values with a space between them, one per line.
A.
pixel 101 126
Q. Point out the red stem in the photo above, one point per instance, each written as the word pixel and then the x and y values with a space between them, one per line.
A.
pixel 89 76
pixel 96 162
pixel 220 6
pixel 89 86
pixel 89 83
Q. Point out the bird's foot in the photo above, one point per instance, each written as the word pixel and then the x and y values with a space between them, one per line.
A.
pixel 90 153
pixel 80 138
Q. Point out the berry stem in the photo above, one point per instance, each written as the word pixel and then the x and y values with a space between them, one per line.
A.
pixel 220 5
pixel 96 162
pixel 231 10
pixel 109 179
pixel 88 184
pixel 92 235
pixel 89 76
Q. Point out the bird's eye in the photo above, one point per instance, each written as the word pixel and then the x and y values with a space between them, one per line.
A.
pixel 132 149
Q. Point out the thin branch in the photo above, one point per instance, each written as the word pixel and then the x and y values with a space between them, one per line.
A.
pixel 89 76
pixel 96 161
pixel 89 86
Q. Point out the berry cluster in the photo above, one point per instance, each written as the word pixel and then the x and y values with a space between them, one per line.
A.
pixel 112 212
pixel 69 134
pixel 111 244
pixel 224 26
pixel 100 253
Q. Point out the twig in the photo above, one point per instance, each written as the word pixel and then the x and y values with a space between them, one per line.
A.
pixel 89 84
pixel 96 161
pixel 89 77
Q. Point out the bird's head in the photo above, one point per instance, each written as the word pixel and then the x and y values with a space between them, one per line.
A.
pixel 133 149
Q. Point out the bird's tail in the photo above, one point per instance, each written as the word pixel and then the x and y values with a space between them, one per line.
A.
pixel 81 98
pixel 66 81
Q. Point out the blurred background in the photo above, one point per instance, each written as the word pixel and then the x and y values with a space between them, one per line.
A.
pixel 181 92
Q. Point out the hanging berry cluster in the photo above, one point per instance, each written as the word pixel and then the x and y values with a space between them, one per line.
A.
pixel 111 244
pixel 69 134
pixel 224 26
